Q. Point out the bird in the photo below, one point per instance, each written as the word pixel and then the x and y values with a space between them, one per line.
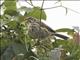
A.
pixel 39 30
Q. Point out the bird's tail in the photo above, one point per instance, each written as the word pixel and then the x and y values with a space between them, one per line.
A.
pixel 61 36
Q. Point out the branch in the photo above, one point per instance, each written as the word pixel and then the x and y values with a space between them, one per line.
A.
pixel 29 3
pixel 70 9
pixel 41 9
pixel 63 7
pixel 50 8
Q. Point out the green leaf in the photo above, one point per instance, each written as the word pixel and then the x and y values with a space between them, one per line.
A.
pixel 24 8
pixel 11 8
pixel 21 18
pixel 36 13
pixel 68 30
pixel 64 30
pixel 5 19
pixel 74 50
pixel 10 5
pixel 12 24
pixel 11 12
pixel 59 42
pixel 4 42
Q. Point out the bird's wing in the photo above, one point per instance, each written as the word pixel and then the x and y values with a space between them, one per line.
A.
pixel 46 26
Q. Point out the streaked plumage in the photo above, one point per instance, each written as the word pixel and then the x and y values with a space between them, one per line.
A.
pixel 39 30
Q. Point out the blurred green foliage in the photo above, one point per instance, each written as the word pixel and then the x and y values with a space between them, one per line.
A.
pixel 15 44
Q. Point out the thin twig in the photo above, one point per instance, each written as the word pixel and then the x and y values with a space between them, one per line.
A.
pixel 29 3
pixel 51 7
pixel 71 9
pixel 63 7
pixel 41 10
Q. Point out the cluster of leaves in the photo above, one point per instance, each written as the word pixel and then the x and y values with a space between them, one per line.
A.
pixel 15 44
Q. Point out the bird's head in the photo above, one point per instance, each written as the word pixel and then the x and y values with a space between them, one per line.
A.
pixel 30 19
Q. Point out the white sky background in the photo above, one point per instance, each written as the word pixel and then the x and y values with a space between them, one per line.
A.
pixel 57 18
